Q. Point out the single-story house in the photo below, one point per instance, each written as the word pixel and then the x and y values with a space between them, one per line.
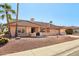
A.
pixel 30 28
pixel 26 28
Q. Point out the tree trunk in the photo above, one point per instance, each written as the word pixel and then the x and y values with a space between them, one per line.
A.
pixel 16 34
pixel 8 25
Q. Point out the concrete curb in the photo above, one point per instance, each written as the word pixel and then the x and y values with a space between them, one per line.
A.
pixel 48 50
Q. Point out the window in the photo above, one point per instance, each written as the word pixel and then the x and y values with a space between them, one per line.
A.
pixel 21 30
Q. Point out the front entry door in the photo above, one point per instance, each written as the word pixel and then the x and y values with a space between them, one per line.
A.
pixel 32 30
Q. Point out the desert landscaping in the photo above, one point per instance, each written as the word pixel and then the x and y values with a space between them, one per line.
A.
pixel 24 44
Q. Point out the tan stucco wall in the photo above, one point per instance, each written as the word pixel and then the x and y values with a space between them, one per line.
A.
pixel 62 31
pixel 27 29
pixel 12 30
pixel 50 32
pixel 37 29
pixel 54 31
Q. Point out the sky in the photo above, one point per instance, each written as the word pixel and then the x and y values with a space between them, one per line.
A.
pixel 64 14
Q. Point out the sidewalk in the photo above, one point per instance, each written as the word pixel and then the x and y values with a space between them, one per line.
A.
pixel 71 52
pixel 52 50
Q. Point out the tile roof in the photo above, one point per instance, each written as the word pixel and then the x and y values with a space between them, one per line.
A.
pixel 23 23
pixel 41 24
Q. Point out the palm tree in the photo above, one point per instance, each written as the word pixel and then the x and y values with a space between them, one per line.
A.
pixel 17 19
pixel 50 22
pixel 6 12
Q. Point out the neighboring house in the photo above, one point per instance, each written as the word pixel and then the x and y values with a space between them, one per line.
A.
pixel 74 28
pixel 26 28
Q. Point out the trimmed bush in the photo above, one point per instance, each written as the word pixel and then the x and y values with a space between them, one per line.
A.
pixel 6 32
pixel 69 31
pixel 3 41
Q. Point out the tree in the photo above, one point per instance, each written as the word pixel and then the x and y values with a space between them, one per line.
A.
pixel 6 12
pixel 17 19
pixel 50 22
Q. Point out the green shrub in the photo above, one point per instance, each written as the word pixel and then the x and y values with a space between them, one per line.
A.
pixel 6 32
pixel 3 41
pixel 69 31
